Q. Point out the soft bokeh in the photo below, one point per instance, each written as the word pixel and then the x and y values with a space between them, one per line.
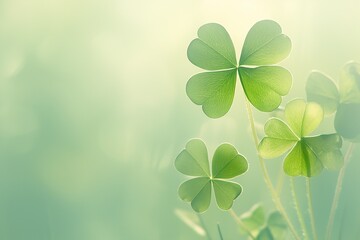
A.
pixel 93 112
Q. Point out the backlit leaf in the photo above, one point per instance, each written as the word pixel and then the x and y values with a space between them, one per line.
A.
pixel 302 117
pixel 213 49
pixel 254 219
pixel 321 89
pixel 225 193
pixel 302 161
pixel 264 86
pixel 198 192
pixel 308 155
pixel 349 84
pixel 279 139
pixel 227 162
pixel 193 160
pixel 265 44
pixel 327 150
pixel 347 120
pixel 213 90
pixel 277 225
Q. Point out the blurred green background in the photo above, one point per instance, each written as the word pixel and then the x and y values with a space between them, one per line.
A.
pixel 93 112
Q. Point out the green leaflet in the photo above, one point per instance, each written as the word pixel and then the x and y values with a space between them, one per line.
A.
pixel 254 219
pixel 213 49
pixel 303 118
pixel 345 99
pixel 193 160
pixel 321 89
pixel 265 44
pixel 307 155
pixel 263 227
pixel 225 193
pixel 227 163
pixel 347 120
pixel 349 83
pixel 198 192
pixel 263 85
pixel 213 90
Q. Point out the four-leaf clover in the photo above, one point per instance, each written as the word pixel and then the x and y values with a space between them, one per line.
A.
pixel 264 85
pixel 227 163
pixel 345 99
pixel 307 155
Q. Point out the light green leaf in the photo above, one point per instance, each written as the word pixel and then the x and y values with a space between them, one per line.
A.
pixel 349 84
pixel 264 86
pixel 302 161
pixel 198 192
pixel 265 44
pixel 347 120
pixel 279 139
pixel 321 89
pixel 277 225
pixel 225 193
pixel 327 150
pixel 227 162
pixel 254 219
pixel 213 90
pixel 213 49
pixel 302 117
pixel 265 234
pixel 193 160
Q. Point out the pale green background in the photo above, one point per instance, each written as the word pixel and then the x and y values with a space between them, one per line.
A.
pixel 93 111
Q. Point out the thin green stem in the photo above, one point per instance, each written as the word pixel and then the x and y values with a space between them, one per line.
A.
pixel 274 195
pixel 204 227
pixel 240 223
pixel 280 182
pixel 219 231
pixel 297 208
pixel 311 209
pixel 338 189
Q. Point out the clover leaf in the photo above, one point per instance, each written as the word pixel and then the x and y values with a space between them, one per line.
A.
pixel 263 227
pixel 275 229
pixel 227 163
pixel 263 85
pixel 308 155
pixel 344 99
pixel 254 219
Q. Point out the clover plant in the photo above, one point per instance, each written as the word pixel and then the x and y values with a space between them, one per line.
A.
pixel 264 85
pixel 308 155
pixel 343 99
pixel 226 164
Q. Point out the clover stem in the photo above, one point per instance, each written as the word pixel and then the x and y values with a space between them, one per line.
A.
pixel 297 208
pixel 311 209
pixel 274 195
pixel 219 231
pixel 280 182
pixel 338 191
pixel 204 227
pixel 240 223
